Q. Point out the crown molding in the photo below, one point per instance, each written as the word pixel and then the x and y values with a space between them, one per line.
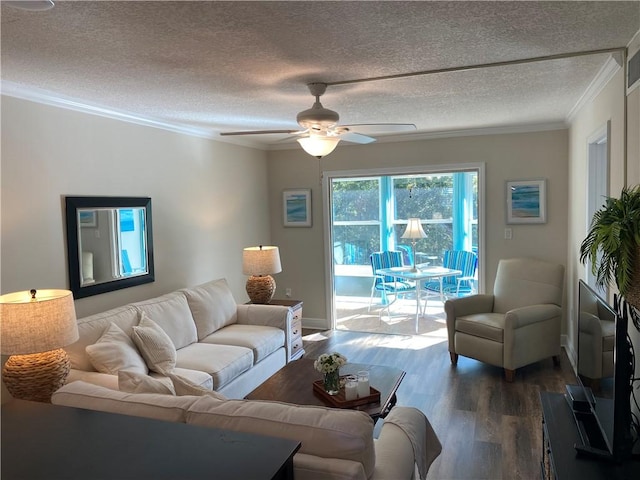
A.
pixel 46 97
pixel 634 44
pixel 470 132
pixel 606 73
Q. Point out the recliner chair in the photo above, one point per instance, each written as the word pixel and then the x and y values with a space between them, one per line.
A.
pixel 516 326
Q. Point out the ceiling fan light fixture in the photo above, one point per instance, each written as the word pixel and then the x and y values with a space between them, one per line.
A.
pixel 318 146
pixel 317 116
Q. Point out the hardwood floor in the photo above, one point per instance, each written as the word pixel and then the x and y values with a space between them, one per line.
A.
pixel 489 429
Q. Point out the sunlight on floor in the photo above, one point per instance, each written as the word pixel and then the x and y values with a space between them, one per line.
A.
pixel 398 321
pixel 315 337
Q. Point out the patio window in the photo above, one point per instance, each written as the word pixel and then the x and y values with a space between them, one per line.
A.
pixel 370 214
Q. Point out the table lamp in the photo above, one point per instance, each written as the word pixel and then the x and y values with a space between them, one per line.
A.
pixel 35 327
pixel 260 262
pixel 414 231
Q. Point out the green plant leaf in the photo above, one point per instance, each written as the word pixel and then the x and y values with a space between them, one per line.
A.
pixel 612 241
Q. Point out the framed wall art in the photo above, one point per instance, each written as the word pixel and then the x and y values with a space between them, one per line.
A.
pixel 526 201
pixel 296 208
pixel 88 218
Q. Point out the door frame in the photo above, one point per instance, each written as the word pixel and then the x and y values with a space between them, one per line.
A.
pixel 327 176
pixel 598 155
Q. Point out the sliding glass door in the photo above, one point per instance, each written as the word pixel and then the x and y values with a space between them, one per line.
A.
pixel 369 213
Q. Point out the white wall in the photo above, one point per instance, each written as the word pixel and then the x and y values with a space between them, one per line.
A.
pixel 208 198
pixel 514 156
pixel 633 174
pixel 607 106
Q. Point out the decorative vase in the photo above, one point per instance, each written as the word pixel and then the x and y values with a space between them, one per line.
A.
pixel 332 382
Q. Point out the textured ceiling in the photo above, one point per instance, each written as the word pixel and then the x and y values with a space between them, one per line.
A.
pixel 222 66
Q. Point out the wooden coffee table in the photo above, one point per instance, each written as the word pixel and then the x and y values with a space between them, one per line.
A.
pixel 294 384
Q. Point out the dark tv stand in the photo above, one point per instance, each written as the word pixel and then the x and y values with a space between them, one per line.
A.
pixel 591 442
pixel 560 461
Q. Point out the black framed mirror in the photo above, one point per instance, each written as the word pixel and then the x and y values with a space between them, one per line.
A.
pixel 109 243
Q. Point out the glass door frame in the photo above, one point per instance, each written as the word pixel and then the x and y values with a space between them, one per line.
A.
pixel 327 178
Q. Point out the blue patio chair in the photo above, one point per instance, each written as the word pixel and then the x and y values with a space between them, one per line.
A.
pixel 458 285
pixel 387 285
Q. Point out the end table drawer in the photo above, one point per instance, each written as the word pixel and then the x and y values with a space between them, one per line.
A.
pixel 296 329
pixel 295 349
pixel 296 346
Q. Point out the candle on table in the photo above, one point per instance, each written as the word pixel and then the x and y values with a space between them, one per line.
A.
pixel 363 384
pixel 351 387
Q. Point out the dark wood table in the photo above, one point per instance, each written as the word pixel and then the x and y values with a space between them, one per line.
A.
pixel 294 384
pixel 43 441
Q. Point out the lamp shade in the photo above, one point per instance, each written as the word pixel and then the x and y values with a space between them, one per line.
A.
pixel 37 321
pixel 318 146
pixel 414 229
pixel 261 260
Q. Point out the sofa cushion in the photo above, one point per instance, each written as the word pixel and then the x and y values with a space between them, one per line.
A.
pixel 324 432
pixel 91 329
pixel 183 386
pixel 133 382
pixel 262 340
pixel 197 377
pixel 115 351
pixel 154 344
pixel 151 405
pixel 222 362
pixel 484 325
pixel 172 313
pixel 212 306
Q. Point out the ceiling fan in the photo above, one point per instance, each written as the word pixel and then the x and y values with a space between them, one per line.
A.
pixel 321 133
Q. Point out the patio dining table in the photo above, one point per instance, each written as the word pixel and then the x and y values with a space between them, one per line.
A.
pixel 421 273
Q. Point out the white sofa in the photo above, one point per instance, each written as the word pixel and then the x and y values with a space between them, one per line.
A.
pixel 336 444
pixel 224 351
pixel 213 342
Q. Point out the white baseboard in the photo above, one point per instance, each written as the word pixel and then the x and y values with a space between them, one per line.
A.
pixel 315 323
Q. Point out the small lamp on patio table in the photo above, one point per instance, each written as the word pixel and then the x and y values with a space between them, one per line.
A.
pixel 414 231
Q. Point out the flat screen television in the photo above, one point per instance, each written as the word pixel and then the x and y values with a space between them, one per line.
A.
pixel 605 366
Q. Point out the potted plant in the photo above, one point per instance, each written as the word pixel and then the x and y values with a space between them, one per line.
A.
pixel 612 245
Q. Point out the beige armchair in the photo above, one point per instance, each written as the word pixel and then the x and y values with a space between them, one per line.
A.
pixel 519 324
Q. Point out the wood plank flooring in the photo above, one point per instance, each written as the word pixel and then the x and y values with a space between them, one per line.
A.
pixel 489 429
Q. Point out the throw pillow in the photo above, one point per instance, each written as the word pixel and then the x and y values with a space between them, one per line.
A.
pixel 212 305
pixel 114 351
pixel 155 345
pixel 133 382
pixel 184 387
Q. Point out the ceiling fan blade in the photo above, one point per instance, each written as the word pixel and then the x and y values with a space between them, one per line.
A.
pixel 294 135
pixel 378 128
pixel 354 137
pixel 257 132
